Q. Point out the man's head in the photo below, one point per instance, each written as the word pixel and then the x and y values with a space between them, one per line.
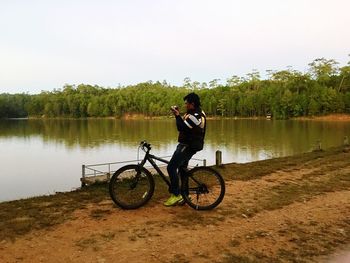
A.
pixel 192 101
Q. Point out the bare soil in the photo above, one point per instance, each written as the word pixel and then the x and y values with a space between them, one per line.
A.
pixel 293 209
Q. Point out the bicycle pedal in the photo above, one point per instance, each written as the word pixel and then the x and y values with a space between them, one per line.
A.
pixel 181 202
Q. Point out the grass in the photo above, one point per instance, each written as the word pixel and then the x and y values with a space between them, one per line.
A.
pixel 234 258
pixel 234 243
pixel 311 243
pixel 96 242
pixel 86 243
pixel 258 169
pixel 22 216
pixel 180 258
pixel 282 195
pixel 307 244
pixel 325 176
pixel 100 213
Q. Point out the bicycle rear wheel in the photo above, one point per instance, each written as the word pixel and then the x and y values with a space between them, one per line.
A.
pixel 131 187
pixel 206 188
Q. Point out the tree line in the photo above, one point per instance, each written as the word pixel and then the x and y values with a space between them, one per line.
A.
pixel 323 89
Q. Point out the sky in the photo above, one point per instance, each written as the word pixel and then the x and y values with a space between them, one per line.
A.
pixel 47 44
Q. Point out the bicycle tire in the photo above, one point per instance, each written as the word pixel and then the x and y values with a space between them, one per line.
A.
pixel 199 183
pixel 125 188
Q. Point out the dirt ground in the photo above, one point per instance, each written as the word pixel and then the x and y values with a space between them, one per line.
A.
pixel 295 212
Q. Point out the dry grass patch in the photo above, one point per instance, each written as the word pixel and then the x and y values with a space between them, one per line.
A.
pixel 22 216
pixel 96 241
pixel 258 169
pixel 100 213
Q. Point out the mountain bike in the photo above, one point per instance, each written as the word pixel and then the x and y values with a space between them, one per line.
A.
pixel 132 186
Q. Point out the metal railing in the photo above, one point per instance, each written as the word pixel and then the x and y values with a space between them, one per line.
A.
pixel 103 171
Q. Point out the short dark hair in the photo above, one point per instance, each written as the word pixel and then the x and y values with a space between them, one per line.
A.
pixel 193 98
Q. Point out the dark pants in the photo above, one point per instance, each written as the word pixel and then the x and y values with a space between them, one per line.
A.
pixel 178 161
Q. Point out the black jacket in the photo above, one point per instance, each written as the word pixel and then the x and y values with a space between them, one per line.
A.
pixel 192 129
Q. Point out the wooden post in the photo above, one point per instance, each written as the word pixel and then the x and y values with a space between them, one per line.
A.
pixel 83 176
pixel 318 146
pixel 204 162
pixel 218 158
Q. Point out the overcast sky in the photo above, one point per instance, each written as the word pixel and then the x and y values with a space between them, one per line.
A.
pixel 45 44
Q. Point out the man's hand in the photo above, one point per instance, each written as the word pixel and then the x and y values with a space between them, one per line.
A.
pixel 175 110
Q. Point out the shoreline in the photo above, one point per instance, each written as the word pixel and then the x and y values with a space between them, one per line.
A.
pixel 341 117
pixel 277 209
pixel 330 117
pixel 233 164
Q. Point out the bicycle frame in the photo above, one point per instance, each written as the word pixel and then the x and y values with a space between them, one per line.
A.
pixel 150 157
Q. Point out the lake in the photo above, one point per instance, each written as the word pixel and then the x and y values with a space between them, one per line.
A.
pixel 44 156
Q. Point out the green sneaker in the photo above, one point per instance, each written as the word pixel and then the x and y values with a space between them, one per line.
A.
pixel 173 200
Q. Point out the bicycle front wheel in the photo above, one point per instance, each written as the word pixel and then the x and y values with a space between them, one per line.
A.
pixel 131 187
pixel 204 188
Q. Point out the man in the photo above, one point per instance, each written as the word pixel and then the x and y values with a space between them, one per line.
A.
pixel 191 139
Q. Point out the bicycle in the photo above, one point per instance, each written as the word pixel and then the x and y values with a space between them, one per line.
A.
pixel 132 186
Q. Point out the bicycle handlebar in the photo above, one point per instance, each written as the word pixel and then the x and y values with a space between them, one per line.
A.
pixel 146 145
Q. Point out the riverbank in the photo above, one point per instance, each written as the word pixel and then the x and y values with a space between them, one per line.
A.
pixel 290 209
pixel 131 116
pixel 331 117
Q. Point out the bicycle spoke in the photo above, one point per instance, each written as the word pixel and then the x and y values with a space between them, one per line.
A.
pixel 205 187
pixel 131 187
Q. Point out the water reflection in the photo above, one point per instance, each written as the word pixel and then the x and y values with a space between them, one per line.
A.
pixel 89 133
pixel 251 135
pixel 42 156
